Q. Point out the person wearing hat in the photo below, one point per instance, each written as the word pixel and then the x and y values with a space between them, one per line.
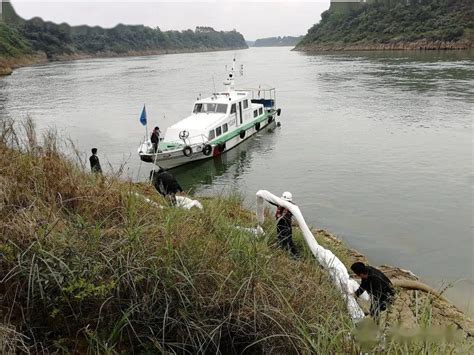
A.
pixel 284 229
pixel 155 138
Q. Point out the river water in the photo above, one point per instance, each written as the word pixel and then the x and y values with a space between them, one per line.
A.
pixel 376 147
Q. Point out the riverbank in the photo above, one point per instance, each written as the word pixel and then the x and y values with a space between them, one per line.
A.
pixel 8 65
pixel 411 300
pixel 89 266
pixel 390 46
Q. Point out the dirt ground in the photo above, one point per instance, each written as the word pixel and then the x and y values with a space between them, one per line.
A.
pixel 413 309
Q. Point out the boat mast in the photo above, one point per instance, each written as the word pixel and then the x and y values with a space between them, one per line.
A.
pixel 229 83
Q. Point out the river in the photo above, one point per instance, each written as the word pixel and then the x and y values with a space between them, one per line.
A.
pixel 376 147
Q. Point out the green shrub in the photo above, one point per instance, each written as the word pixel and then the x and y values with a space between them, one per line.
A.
pixel 445 20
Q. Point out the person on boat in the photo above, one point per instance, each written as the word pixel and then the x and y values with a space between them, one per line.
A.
pixel 377 285
pixel 284 228
pixel 94 161
pixel 155 138
pixel 166 184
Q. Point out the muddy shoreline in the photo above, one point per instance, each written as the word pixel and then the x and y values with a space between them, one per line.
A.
pixel 409 303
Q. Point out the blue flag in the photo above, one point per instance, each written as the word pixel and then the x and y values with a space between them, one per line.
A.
pixel 143 116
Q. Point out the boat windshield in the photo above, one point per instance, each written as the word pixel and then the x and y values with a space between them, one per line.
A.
pixel 210 108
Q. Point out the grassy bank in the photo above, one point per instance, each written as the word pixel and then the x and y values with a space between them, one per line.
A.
pixel 88 267
pixel 394 25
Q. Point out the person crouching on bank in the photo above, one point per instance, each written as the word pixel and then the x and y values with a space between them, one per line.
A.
pixel 377 285
pixel 166 184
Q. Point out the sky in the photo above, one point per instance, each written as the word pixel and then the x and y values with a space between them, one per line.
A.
pixel 254 19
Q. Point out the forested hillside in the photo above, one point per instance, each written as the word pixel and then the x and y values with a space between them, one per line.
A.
pixel 277 41
pixel 423 24
pixel 63 39
pixel 52 41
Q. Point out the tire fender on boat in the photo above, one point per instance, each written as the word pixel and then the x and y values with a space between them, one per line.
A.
pixel 187 151
pixel 270 119
pixel 257 126
pixel 207 150
pixel 279 112
pixel 242 134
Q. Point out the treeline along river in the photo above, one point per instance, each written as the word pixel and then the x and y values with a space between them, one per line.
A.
pixel 376 147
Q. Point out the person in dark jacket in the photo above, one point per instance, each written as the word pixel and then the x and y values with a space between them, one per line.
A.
pixel 377 285
pixel 166 184
pixel 155 138
pixel 94 161
pixel 284 228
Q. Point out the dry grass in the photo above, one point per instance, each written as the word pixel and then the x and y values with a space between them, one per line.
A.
pixel 87 267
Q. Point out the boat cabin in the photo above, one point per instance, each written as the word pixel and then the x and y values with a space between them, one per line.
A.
pixel 215 116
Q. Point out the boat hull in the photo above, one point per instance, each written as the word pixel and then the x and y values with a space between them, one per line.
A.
pixel 172 159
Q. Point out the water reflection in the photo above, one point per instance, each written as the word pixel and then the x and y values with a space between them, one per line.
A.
pixel 422 72
pixel 233 163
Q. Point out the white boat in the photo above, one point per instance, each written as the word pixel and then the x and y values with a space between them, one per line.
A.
pixel 217 124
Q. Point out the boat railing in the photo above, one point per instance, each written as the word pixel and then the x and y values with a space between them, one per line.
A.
pixel 193 140
pixel 265 96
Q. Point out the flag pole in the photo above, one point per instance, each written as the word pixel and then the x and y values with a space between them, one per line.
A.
pixel 146 125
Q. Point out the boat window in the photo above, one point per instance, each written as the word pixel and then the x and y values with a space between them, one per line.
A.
pixel 197 108
pixel 221 108
pixel 210 108
pixel 233 109
pixel 211 135
pixel 246 103
pixel 218 131
pixel 255 113
pixel 225 128
pixel 260 111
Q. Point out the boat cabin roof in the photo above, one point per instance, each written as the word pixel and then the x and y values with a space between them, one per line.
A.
pixel 225 97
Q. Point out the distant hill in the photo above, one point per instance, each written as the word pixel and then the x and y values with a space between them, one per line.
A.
pixel 277 41
pixel 19 37
pixel 393 24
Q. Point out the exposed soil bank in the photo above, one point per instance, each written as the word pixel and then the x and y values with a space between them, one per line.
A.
pixel 7 65
pixel 417 45
pixel 409 303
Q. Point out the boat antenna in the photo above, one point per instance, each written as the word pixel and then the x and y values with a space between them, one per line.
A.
pixel 213 83
pixel 230 79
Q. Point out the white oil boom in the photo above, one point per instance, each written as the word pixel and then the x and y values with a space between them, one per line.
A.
pixel 326 258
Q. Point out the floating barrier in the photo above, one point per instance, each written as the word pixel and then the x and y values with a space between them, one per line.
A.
pixel 181 201
pixel 254 231
pixel 326 258
pixel 187 203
